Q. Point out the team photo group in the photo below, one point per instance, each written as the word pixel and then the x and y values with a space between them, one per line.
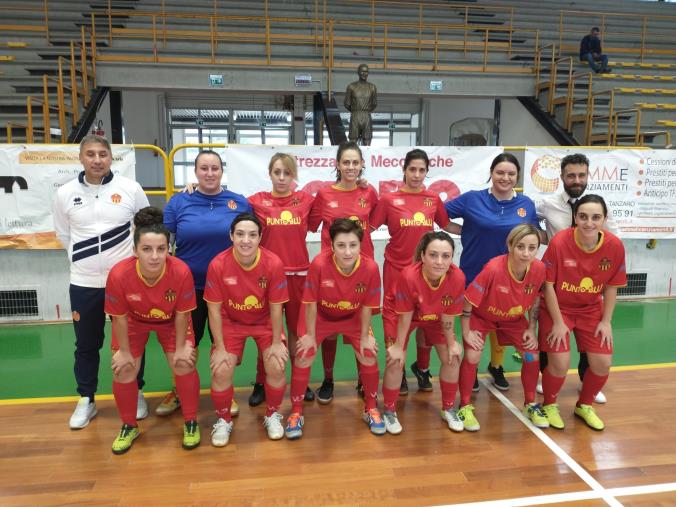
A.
pixel 239 267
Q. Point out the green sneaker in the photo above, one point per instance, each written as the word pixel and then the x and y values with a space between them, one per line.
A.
pixel 553 416
pixel 588 415
pixel 466 415
pixel 534 412
pixel 125 439
pixel 191 435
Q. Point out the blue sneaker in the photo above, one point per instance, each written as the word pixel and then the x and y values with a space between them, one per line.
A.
pixel 294 426
pixel 375 421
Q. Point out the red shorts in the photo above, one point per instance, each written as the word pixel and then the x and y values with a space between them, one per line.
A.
pixel 508 332
pixel 349 328
pixel 582 324
pixel 295 285
pixel 235 335
pixel 433 332
pixel 139 332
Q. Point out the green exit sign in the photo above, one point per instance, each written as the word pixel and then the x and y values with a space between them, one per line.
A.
pixel 215 79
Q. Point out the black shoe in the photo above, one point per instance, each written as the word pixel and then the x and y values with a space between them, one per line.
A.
pixel 475 388
pixel 423 377
pixel 325 392
pixel 403 389
pixel 257 395
pixel 360 390
pixel 309 394
pixel 498 375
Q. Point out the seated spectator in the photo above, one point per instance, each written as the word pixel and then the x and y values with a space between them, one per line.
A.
pixel 590 51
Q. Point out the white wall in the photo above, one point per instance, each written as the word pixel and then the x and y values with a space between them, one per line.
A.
pixel 440 113
pixel 519 128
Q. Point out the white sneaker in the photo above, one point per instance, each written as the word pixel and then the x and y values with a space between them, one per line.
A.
pixel 600 398
pixel 392 424
pixel 273 423
pixel 539 388
pixel 220 435
pixel 141 406
pixel 84 412
pixel 450 415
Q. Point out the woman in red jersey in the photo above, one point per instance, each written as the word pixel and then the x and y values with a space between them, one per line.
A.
pixel 341 290
pixel 152 292
pixel 585 266
pixel 496 300
pixel 409 212
pixel 344 199
pixel 245 293
pixel 428 296
pixel 284 214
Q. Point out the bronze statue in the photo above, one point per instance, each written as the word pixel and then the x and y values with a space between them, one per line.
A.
pixel 361 99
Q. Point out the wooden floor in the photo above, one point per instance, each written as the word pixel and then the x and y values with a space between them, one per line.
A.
pixel 338 462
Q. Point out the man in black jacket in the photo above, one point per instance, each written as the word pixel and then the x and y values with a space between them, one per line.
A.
pixel 590 51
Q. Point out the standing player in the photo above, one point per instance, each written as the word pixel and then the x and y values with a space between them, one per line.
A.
pixel 92 217
pixel 428 296
pixel 344 199
pixel 585 266
pixel 557 212
pixel 284 215
pixel 497 300
pixel 152 291
pixel 341 290
pixel 245 292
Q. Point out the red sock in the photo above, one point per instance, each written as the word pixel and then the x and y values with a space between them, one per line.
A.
pixel 260 370
pixel 188 390
pixel 530 371
pixel 274 397
pixel 551 386
pixel 359 379
pixel 222 401
pixel 467 376
pixel 369 377
pixel 448 392
pixel 299 381
pixel 329 357
pixel 390 399
pixel 126 396
pixel 423 360
pixel 591 385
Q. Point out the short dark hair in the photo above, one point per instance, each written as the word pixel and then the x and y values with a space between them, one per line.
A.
pixel 208 152
pixel 587 198
pixel 149 219
pixel 345 226
pixel 245 217
pixel 574 158
pixel 595 29
pixel 427 238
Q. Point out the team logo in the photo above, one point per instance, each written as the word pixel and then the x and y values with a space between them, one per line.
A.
pixel 250 303
pixel 604 265
pixel 446 300
pixel 156 313
pixel 232 204
pixel 515 311
pixel 116 198
pixel 428 202
pixel 76 316
pixel 429 317
pixel 360 288
pixel 295 201
pixel 77 201
pixel 263 282
pixel 528 289
pixel 170 295
pixel 521 212
pixel 362 202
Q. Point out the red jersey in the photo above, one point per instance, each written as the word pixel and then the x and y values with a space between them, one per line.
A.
pixel 246 293
pixel 498 296
pixel 340 296
pixel 285 223
pixel 331 202
pixel 415 294
pixel 408 216
pixel 579 276
pixel 127 293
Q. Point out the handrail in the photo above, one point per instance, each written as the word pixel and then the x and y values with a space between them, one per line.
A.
pixel 169 175
pixel 616 117
pixel 590 114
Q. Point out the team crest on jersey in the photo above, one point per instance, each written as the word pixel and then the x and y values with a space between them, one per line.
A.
pixel 360 288
pixel 446 300
pixel 295 201
pixel 170 295
pixel 569 263
pixel 116 198
pixel 428 202
pixel 328 283
pixel 362 202
pixel 528 289
pixel 232 204
pixel 604 265
pixel 263 282
pixel 521 212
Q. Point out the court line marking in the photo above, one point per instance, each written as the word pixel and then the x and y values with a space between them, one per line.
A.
pixel 554 447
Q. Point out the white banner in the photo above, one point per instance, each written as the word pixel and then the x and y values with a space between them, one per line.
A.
pixel 29 177
pixel 452 170
pixel 639 186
